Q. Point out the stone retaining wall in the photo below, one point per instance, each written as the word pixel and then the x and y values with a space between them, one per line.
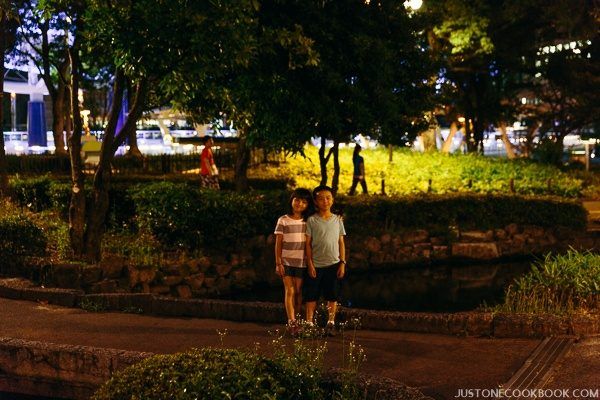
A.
pixel 54 370
pixel 75 372
pixel 251 261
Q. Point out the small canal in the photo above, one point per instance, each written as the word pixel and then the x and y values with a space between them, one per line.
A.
pixel 442 287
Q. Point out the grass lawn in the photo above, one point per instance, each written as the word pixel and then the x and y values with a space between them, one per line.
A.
pixel 410 172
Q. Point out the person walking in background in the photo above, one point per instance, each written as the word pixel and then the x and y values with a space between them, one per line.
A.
pixel 290 262
pixel 209 173
pixel 325 256
pixel 359 171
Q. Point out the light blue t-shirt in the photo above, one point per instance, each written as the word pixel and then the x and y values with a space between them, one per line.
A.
pixel 325 235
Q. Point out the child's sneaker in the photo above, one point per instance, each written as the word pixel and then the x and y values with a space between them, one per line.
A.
pixel 330 329
pixel 293 328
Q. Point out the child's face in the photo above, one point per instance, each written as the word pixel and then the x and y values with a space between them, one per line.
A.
pixel 324 200
pixel 299 205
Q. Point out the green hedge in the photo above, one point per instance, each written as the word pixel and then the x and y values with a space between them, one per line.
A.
pixel 214 374
pixel 20 238
pixel 466 211
pixel 179 214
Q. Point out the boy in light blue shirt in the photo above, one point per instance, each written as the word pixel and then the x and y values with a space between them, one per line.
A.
pixel 325 256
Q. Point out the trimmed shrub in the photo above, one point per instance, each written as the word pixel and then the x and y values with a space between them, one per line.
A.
pixel 170 211
pixel 20 238
pixel 461 210
pixel 213 374
pixel 32 193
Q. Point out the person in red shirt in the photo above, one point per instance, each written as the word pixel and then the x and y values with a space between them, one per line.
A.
pixel 209 173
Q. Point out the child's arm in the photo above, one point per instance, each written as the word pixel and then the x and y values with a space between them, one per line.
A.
pixel 342 265
pixel 278 250
pixel 312 272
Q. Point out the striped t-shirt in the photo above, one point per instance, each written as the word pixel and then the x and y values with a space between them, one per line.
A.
pixel 294 239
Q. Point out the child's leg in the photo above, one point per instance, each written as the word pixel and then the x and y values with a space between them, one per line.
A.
pixel 311 306
pixel 331 310
pixel 297 295
pixel 331 292
pixel 288 283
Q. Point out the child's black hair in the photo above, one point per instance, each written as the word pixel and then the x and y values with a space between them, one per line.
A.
pixel 206 138
pixel 303 194
pixel 320 189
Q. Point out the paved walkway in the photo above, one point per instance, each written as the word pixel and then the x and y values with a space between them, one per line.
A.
pixel 438 365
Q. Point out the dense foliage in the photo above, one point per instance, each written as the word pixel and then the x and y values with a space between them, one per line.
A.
pixel 180 215
pixel 214 374
pixel 560 284
pixel 20 238
pixel 410 172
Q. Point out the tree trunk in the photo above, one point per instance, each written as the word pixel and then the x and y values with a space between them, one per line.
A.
pixel 77 207
pixel 59 118
pixel 323 162
pixel 390 153
pixel 102 178
pixel 447 146
pixel 134 150
pixel 3 168
pixel 531 134
pixel 510 148
pixel 241 163
pixel 335 180
pixel 428 140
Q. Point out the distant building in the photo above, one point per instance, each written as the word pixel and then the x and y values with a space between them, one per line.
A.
pixel 25 103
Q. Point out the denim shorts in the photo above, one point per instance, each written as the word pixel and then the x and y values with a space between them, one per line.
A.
pixel 326 283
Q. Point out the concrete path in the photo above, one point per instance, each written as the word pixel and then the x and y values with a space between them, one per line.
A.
pixel 438 365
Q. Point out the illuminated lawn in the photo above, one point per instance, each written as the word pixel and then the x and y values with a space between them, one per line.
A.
pixel 410 172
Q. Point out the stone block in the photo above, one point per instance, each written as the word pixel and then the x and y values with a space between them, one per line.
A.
pixel 105 286
pixel 476 236
pixel 184 292
pixel 223 269
pixel 160 289
pixel 512 229
pixel 195 281
pixel 90 275
pixel 385 238
pixel 244 276
pixel 147 275
pixel 439 252
pixel 479 251
pixel 209 282
pixel 66 276
pixel 437 241
pixel 172 280
pixel 418 236
pixel 112 266
pixel 500 234
pixel 372 244
pixel 534 231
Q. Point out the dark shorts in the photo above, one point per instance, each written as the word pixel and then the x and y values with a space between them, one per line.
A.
pixel 326 283
pixel 295 272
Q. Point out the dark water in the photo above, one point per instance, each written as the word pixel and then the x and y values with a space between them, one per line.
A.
pixel 15 396
pixel 433 288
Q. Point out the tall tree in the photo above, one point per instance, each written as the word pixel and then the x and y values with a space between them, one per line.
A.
pixel 43 40
pixel 158 58
pixel 370 76
pixel 8 26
